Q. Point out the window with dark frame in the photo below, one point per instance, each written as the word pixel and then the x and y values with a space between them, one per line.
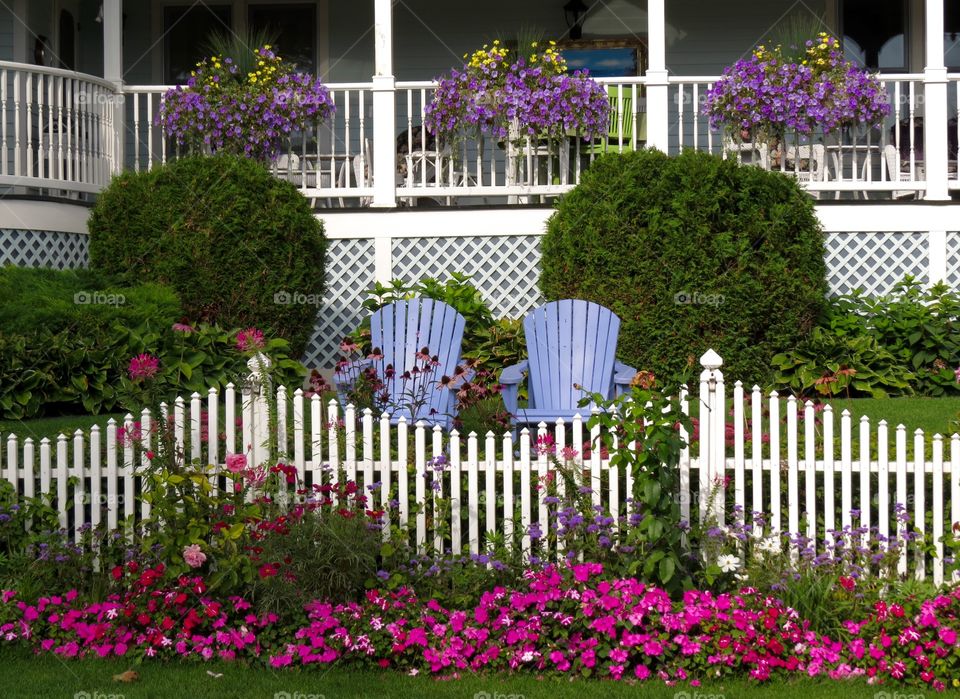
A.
pixel 875 34
pixel 187 29
pixel 295 26
pixel 951 35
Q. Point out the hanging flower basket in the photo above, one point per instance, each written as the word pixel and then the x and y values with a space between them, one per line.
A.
pixel 535 92
pixel 220 110
pixel 770 93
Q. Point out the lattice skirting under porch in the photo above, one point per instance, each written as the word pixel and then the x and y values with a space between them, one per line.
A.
pixel 505 268
pixel 53 249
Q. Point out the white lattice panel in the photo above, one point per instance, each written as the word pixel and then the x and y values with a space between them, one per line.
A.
pixel 953 258
pixel 505 268
pixel 350 272
pixel 54 249
pixel 874 262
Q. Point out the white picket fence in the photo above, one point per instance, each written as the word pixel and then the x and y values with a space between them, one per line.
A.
pixel 493 484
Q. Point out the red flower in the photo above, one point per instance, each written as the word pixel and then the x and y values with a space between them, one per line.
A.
pixel 268 570
pixel 847 582
pixel 117 572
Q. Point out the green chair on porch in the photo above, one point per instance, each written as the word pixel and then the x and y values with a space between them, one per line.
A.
pixel 619 136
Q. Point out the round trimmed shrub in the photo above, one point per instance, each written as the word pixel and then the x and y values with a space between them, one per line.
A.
pixel 692 252
pixel 239 246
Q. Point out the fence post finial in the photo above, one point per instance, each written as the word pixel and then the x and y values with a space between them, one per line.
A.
pixel 711 360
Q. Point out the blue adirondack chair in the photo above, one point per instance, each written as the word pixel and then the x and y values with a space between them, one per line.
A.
pixel 400 330
pixel 568 342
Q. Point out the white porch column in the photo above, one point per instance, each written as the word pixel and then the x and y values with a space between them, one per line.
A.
pixel 935 104
pixel 658 96
pixel 384 108
pixel 113 72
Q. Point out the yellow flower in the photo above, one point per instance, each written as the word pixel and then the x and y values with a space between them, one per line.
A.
pixel 533 45
pixel 267 47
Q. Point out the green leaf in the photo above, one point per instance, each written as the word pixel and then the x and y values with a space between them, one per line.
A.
pixel 666 570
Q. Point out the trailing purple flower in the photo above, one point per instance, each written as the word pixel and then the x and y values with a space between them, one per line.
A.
pixel 536 93
pixel 220 110
pixel 768 94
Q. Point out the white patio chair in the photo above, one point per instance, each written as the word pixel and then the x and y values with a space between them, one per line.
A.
pixel 363 170
pixel 899 170
pixel 814 155
pixel 747 152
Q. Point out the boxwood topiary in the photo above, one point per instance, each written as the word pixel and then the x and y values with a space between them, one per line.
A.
pixel 691 252
pixel 240 247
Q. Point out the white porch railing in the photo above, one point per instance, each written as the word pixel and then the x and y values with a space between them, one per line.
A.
pixel 57 129
pixel 332 162
pixel 884 161
pixel 804 478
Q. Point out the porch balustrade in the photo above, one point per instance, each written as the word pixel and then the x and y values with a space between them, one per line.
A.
pixel 57 130
pixel 60 131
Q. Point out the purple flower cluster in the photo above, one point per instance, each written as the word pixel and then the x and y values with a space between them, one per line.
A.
pixel 541 97
pixel 220 110
pixel 768 94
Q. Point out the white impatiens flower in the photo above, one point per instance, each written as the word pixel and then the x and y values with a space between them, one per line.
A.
pixel 728 564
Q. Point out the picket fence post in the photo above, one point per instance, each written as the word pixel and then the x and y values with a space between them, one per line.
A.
pixel 712 443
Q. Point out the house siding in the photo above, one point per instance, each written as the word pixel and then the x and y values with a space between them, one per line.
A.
pixel 6 34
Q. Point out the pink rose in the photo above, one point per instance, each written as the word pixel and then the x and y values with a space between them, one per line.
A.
pixel 236 463
pixel 193 556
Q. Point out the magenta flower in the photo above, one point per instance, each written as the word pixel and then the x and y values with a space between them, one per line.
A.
pixel 182 328
pixel 143 366
pixel 250 340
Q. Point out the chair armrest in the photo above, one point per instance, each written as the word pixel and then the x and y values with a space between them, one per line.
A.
pixel 510 379
pixel 622 376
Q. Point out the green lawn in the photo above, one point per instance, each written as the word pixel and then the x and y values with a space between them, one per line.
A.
pixel 50 427
pixel 26 676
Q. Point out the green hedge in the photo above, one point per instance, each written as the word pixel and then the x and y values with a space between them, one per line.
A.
pixel 235 242
pixel 691 252
pixel 53 300
pixel 61 357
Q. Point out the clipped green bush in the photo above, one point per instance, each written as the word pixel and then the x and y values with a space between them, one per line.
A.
pixel 75 371
pixel 240 247
pixel 692 252
pixel 66 339
pixel 55 300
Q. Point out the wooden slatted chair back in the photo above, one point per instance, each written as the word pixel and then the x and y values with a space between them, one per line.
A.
pixel 403 328
pixel 570 342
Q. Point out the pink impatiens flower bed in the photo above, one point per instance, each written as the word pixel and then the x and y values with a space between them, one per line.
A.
pixel 566 621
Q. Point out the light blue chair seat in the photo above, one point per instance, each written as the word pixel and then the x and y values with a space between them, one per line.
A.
pixel 571 348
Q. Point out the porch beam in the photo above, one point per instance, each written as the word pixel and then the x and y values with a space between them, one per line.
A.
pixel 935 104
pixel 113 72
pixel 384 108
pixel 658 96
